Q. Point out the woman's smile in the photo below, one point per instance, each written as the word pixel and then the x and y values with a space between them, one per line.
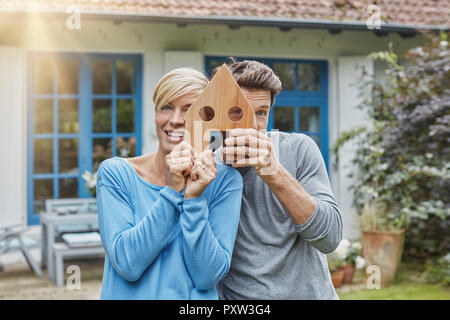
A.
pixel 173 136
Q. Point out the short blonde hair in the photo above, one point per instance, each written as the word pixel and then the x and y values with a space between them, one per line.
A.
pixel 177 83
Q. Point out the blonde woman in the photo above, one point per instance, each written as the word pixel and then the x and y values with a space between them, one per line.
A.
pixel 168 220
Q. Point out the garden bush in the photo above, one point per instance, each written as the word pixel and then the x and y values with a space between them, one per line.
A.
pixel 402 155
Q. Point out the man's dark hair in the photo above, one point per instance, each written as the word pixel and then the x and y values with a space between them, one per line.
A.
pixel 254 75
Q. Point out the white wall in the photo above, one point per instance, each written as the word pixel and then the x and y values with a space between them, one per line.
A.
pixel 164 45
pixel 13 193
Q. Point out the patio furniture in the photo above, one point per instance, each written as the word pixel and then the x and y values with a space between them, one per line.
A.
pixel 12 239
pixel 62 215
pixel 62 250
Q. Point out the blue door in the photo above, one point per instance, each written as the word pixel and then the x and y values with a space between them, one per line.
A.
pixel 302 106
pixel 82 109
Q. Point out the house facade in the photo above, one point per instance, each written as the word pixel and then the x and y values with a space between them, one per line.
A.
pixel 76 83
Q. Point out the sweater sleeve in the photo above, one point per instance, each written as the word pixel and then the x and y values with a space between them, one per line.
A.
pixel 209 231
pixel 131 247
pixel 324 228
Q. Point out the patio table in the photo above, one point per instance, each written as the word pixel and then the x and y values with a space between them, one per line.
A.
pixel 49 224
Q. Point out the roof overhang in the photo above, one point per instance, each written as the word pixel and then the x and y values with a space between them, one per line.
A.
pixel 235 22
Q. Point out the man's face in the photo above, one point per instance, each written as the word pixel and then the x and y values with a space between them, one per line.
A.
pixel 260 101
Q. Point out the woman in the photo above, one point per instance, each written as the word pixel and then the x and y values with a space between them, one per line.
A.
pixel 168 220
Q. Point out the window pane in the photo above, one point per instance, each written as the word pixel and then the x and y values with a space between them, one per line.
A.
pixel 43 190
pixel 125 115
pixel 286 73
pixel 102 115
pixel 43 75
pixel 101 150
pixel 68 155
pixel 316 138
pixel 102 77
pixel 43 116
pixel 309 77
pixel 126 73
pixel 126 147
pixel 310 119
pixel 68 116
pixel 43 156
pixel 68 188
pixel 214 64
pixel 68 77
pixel 283 118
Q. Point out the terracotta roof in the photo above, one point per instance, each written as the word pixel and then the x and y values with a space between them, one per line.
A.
pixel 405 12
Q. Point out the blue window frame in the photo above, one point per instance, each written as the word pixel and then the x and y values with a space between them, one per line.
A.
pixel 302 105
pixel 83 108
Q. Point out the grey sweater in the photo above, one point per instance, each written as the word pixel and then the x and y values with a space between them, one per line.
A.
pixel 274 258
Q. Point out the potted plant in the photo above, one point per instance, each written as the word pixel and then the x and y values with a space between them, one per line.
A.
pixel 401 157
pixel 353 261
pixel 337 262
pixel 337 272
pixel 344 261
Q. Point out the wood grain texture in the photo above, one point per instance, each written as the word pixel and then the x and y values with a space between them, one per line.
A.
pixel 221 94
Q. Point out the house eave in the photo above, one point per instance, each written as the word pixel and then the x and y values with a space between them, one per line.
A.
pixel 236 21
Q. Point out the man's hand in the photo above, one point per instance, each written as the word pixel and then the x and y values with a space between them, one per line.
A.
pixel 249 147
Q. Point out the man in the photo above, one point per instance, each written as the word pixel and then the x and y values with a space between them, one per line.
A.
pixel 289 217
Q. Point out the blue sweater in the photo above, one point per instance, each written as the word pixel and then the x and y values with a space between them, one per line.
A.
pixel 158 244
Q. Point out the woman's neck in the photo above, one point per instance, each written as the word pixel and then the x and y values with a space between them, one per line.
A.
pixel 159 161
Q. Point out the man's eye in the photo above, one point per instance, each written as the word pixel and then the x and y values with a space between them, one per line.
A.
pixel 261 113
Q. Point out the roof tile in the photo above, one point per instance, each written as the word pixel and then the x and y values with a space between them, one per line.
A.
pixel 413 12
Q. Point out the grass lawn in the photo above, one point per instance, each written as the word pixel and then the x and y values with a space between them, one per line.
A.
pixel 401 291
pixel 409 285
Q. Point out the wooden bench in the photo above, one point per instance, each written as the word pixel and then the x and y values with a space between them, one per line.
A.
pixel 62 250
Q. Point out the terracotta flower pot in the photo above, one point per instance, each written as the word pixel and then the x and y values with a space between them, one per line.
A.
pixel 337 277
pixel 349 272
pixel 384 249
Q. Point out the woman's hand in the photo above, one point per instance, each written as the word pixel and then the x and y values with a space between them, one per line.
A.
pixel 202 173
pixel 179 162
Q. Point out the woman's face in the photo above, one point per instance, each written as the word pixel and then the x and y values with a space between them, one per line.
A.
pixel 170 121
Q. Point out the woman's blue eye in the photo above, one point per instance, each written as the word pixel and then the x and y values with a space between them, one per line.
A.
pixel 166 108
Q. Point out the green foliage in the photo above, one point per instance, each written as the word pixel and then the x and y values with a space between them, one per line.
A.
pixel 438 271
pixel 402 155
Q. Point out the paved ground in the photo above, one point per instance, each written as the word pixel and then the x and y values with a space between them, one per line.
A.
pixel 18 282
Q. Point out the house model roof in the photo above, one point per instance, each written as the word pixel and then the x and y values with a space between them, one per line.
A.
pixel 220 107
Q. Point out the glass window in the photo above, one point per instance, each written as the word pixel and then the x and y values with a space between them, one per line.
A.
pixel 43 75
pixel 68 116
pixel 68 77
pixel 125 115
pixel 310 119
pixel 43 116
pixel 316 138
pixel 286 73
pixel 68 155
pixel 43 190
pixel 102 76
pixel 126 75
pixel 126 147
pixel 101 150
pixel 43 156
pixel 214 64
pixel 308 77
pixel 283 118
pixel 101 115
pixel 58 117
pixel 68 188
